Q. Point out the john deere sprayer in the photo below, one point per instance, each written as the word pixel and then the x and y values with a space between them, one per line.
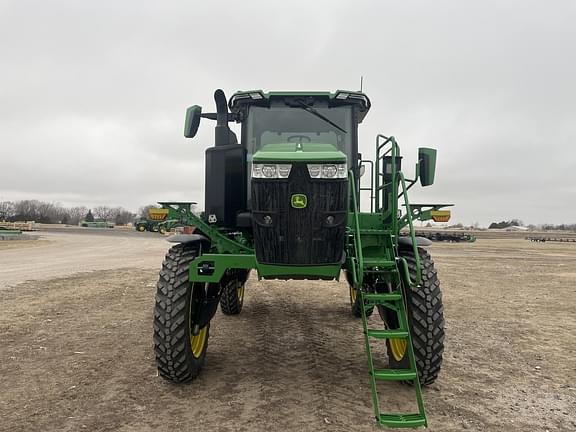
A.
pixel 168 216
pixel 284 200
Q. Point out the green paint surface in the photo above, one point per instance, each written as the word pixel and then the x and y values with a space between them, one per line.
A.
pixel 222 262
pixel 306 152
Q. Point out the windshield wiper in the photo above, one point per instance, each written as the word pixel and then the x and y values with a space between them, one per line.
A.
pixel 315 112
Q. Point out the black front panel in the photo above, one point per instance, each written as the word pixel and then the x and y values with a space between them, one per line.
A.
pixel 225 183
pixel 310 235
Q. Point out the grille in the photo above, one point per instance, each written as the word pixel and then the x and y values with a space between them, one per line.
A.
pixel 310 235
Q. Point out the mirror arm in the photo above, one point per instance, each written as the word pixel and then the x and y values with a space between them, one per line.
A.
pixel 411 183
pixel 214 116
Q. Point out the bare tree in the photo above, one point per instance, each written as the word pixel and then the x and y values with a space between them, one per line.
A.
pixel 50 212
pixel 104 213
pixel 123 216
pixel 76 214
pixel 39 211
pixel 47 212
pixel 27 210
pixel 6 210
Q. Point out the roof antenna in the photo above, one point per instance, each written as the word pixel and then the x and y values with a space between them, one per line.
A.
pixel 361 80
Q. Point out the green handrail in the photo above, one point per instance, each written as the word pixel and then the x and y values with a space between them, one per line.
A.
pixel 357 278
pixel 397 178
pixel 371 188
pixel 412 237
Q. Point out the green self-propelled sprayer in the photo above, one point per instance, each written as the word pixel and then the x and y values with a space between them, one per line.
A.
pixel 285 201
pixel 169 216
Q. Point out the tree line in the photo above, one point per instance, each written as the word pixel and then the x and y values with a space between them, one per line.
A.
pixel 46 212
pixel 544 227
pixel 552 227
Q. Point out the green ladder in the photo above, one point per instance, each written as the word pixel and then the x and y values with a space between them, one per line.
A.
pixel 393 301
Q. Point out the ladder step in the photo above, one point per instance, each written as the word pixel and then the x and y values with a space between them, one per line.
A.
pixel 394 374
pixel 402 420
pixel 375 231
pixel 375 298
pixel 387 334
pixel 380 263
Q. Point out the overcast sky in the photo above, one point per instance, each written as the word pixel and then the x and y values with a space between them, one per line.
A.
pixel 93 94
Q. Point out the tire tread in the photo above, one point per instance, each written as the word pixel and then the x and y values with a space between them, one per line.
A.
pixel 174 358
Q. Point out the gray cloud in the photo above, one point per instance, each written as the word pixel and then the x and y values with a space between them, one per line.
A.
pixel 93 94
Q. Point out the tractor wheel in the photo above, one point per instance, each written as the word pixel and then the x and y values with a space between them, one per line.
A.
pixel 141 228
pixel 179 345
pixel 232 295
pixel 355 304
pixel 426 320
pixel 162 230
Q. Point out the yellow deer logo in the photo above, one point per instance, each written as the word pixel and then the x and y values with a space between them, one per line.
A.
pixel 299 201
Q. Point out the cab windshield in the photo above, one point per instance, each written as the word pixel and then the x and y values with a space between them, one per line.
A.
pixel 299 125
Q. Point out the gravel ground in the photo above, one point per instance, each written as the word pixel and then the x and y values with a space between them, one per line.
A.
pixel 76 345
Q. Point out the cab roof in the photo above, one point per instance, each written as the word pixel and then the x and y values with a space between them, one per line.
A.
pixel 241 99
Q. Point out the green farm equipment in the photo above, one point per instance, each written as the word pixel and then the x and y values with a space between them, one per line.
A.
pixel 169 216
pixel 96 224
pixel 450 237
pixel 285 201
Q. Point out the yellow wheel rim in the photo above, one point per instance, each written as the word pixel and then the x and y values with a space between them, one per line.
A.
pixel 353 295
pixel 198 342
pixel 398 348
pixel 240 292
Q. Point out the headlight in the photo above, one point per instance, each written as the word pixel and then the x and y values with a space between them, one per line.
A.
pixel 327 171
pixel 315 171
pixel 257 171
pixel 271 171
pixel 284 170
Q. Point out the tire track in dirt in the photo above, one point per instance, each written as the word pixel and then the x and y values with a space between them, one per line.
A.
pixel 302 344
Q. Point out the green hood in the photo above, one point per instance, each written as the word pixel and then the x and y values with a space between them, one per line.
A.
pixel 306 152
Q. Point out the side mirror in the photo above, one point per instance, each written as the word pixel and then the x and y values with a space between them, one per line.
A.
pixel 426 165
pixel 193 114
pixel 362 170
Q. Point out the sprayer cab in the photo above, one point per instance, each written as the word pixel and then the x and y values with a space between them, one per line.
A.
pixel 278 129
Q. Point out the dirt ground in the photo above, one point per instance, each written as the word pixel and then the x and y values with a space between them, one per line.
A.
pixel 76 345
pixel 56 254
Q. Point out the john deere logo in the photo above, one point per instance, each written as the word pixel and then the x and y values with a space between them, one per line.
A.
pixel 299 201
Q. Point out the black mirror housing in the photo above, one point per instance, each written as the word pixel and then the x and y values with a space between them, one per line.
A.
pixel 192 122
pixel 426 165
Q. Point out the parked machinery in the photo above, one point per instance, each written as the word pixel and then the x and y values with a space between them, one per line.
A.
pixel 169 216
pixel 285 202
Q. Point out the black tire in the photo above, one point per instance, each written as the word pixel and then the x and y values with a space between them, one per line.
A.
pixel 232 294
pixel 176 357
pixel 355 304
pixel 355 300
pixel 141 228
pixel 425 317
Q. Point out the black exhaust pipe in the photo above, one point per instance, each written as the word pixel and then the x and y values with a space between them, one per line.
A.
pixel 223 134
